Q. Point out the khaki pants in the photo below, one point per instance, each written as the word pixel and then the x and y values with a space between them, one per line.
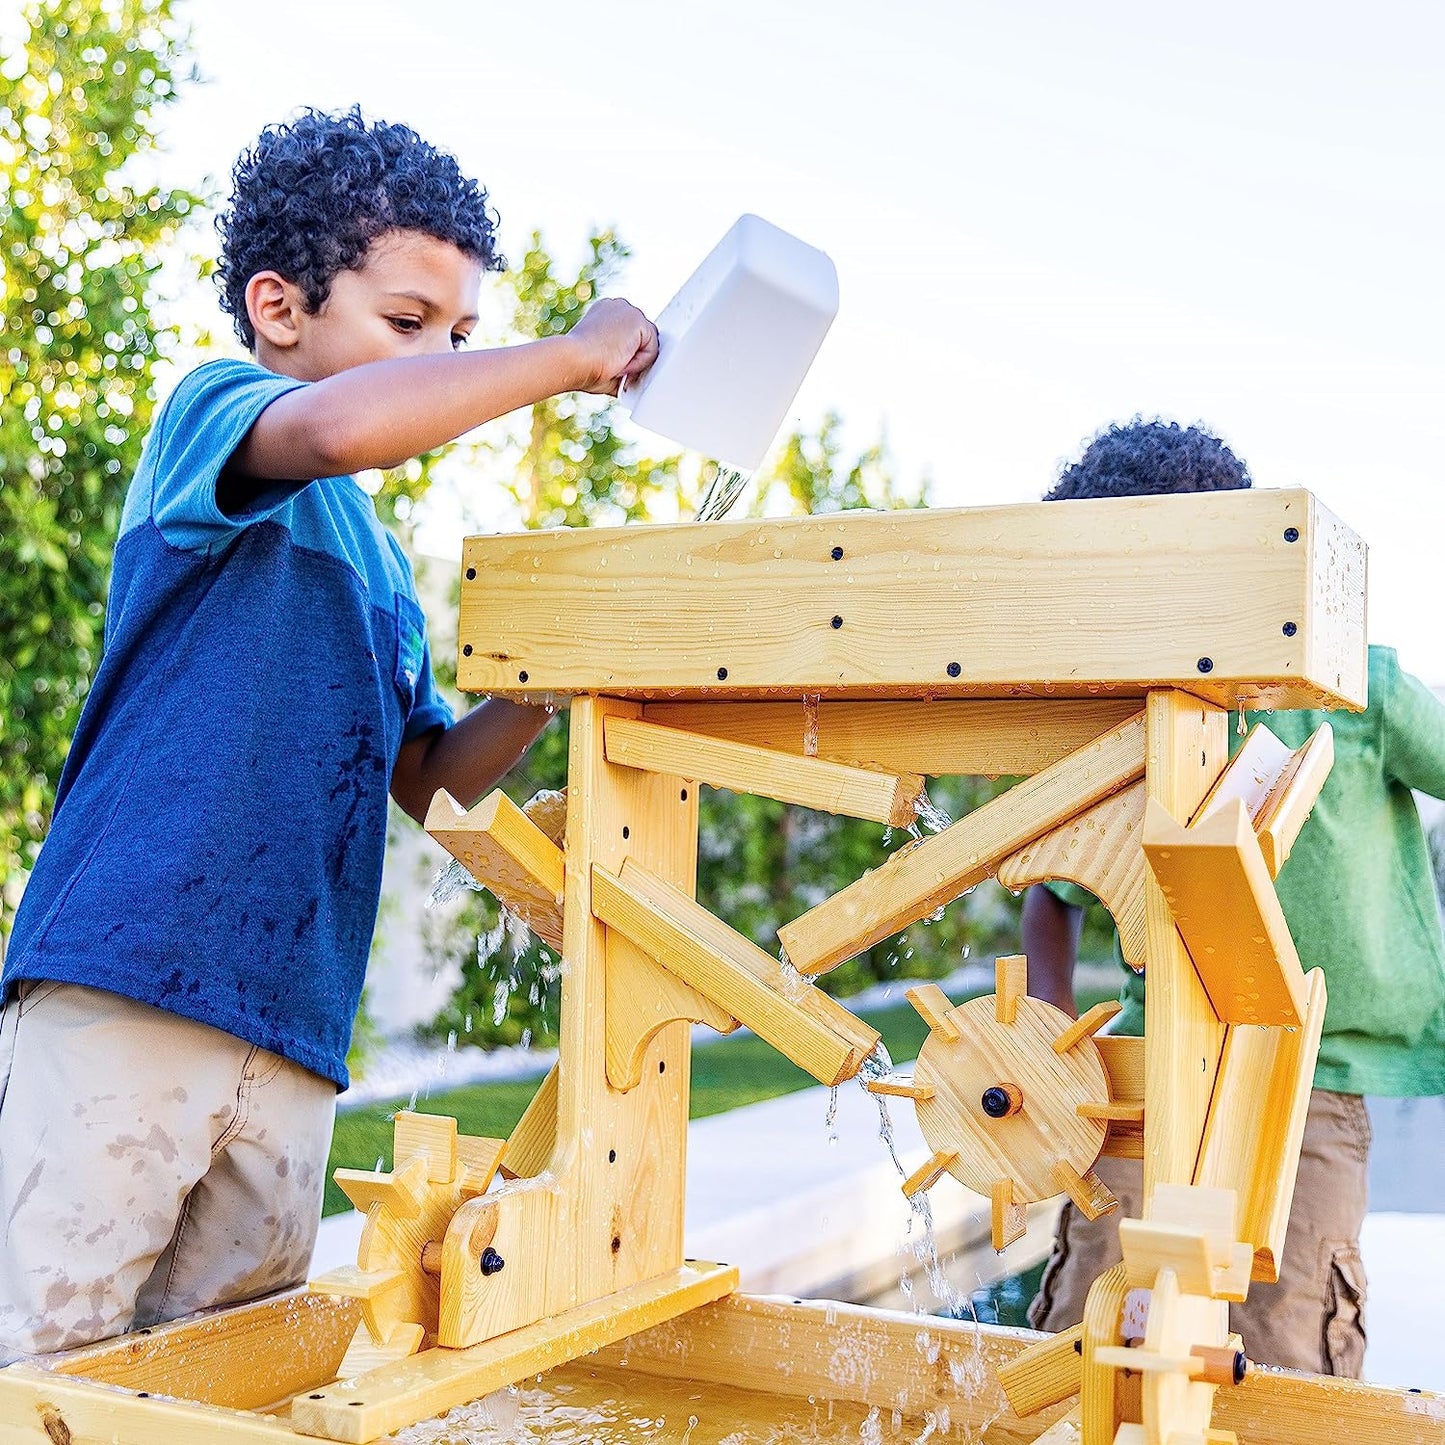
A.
pixel 150 1166
pixel 1313 1318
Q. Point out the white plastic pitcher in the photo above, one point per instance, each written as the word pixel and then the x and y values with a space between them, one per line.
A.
pixel 736 342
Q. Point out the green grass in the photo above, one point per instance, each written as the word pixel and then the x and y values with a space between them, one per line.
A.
pixel 726 1074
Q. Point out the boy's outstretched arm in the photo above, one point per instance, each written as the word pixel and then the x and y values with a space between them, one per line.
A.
pixel 1050 930
pixel 385 412
pixel 469 758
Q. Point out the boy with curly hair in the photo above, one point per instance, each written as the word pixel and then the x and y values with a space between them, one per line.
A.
pixel 188 957
pixel 1359 898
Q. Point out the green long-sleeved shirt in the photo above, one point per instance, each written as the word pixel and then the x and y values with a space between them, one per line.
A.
pixel 1358 891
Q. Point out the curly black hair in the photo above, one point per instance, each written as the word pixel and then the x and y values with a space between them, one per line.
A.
pixel 309 198
pixel 1144 458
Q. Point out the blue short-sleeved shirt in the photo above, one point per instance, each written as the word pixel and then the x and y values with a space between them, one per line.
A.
pixel 219 824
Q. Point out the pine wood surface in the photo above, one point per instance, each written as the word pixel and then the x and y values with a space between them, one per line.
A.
pixel 1279 821
pixel 788 1350
pixel 797 1018
pixel 931 874
pixel 425 1384
pixel 510 854
pixel 1187 750
pixel 1009 737
pixel 1184 591
pixel 1217 886
pixel 1099 849
pixel 810 782
pixel 1257 1121
pixel 1024 1146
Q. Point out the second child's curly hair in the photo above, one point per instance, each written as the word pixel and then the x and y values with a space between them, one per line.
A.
pixel 1146 458
pixel 310 197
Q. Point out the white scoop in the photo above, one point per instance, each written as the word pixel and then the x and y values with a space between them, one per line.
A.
pixel 736 342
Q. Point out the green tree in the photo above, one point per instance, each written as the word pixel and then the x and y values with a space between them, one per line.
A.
pixel 80 248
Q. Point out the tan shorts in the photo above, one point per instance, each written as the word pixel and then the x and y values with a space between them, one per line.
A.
pixel 1313 1318
pixel 150 1166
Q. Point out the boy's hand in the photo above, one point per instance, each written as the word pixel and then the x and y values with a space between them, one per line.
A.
pixel 614 341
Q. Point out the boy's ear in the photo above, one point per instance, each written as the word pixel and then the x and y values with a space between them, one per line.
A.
pixel 276 308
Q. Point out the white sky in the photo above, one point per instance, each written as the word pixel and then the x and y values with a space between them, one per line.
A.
pixel 1045 215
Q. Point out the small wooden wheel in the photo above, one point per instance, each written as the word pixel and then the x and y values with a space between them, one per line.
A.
pixel 1010 1093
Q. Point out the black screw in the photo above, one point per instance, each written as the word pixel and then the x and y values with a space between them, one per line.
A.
pixel 1078 1347
pixel 837 622
pixel 612 1156
pixel 522 676
pixel 662 1066
pixel 1291 534
pixel 996 1102
pixel 1290 629
pixel 837 554
pixel 954 669
pixel 722 674
pixel 471 574
pixel 467 650
pixel 626 831
pixel 1240 1366
pixel 491 1261
pixel 142 1394
pixel 1206 664
pixel 684 795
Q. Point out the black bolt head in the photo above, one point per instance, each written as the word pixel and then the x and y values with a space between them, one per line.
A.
pixel 491 1261
pixel 995 1103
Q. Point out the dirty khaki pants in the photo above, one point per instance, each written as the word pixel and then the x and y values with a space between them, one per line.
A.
pixel 150 1166
pixel 1313 1318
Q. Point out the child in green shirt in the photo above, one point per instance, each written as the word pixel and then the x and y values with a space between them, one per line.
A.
pixel 1359 897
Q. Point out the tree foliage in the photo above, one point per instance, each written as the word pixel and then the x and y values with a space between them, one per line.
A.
pixel 79 254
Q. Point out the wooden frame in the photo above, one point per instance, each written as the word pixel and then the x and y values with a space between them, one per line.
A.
pixel 1095 689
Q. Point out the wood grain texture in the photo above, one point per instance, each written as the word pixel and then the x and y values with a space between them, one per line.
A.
pixel 1187 750
pixel 506 852
pixel 1124 595
pixel 425 1384
pixel 797 1018
pixel 932 873
pixel 828 787
pixel 1024 1146
pixel 1256 1125
pixel 1007 737
pixel 1216 884
pixel 1099 849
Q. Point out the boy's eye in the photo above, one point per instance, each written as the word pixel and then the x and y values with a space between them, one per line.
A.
pixel 459 340
pixel 407 324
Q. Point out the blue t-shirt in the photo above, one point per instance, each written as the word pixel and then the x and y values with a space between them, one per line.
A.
pixel 219 824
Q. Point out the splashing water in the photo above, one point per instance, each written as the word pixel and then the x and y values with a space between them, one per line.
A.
pixel 721 495
pixel 934 818
pixel 811 700
pixel 925 1251
pixel 1239 727
pixel 878 1065
pixel 452 881
pixel 794 984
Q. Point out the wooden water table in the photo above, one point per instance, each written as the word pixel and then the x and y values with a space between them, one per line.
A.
pixel 1098 651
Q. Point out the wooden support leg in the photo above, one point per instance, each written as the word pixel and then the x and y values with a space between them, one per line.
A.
pixel 1186 752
